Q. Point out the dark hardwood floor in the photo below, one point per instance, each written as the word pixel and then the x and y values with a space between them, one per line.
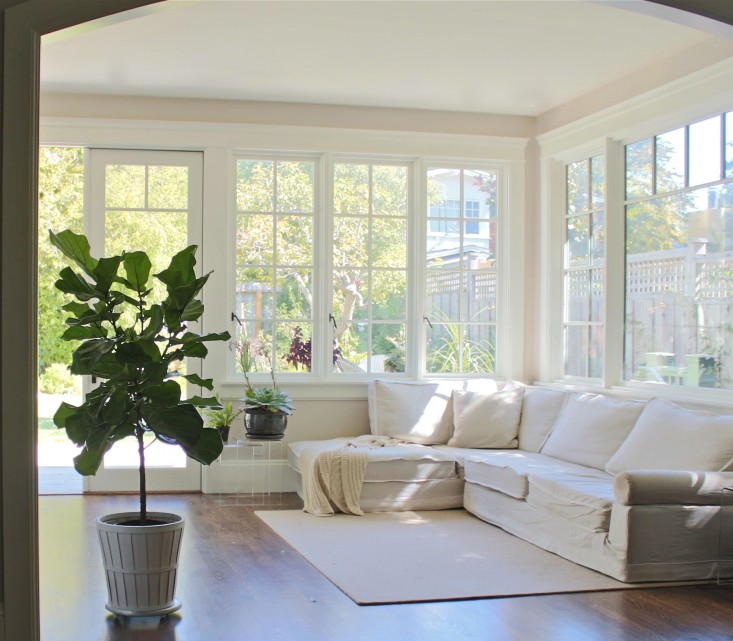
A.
pixel 239 581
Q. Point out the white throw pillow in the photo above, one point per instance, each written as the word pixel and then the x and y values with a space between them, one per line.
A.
pixel 415 412
pixel 540 409
pixel 486 420
pixel 591 428
pixel 669 437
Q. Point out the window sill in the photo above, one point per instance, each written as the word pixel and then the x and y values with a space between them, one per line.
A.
pixel 345 387
pixel 700 397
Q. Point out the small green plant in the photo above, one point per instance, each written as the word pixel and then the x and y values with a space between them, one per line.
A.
pixel 265 399
pixel 224 417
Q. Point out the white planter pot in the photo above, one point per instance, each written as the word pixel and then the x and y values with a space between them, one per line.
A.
pixel 141 562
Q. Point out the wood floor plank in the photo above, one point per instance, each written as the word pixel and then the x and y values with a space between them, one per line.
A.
pixel 240 581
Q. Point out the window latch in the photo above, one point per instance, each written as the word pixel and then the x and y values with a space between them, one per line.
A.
pixel 236 318
pixel 427 320
pixel 333 320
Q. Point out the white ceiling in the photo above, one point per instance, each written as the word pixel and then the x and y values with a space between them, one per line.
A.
pixel 521 57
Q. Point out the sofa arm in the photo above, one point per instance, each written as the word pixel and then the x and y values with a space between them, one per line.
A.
pixel 660 487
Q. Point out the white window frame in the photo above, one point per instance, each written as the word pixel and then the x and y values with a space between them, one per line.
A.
pixel 318 184
pixel 411 364
pixel 502 245
pixel 695 98
pixel 587 269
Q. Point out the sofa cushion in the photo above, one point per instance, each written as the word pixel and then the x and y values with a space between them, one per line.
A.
pixel 486 420
pixel 591 428
pixel 540 409
pixel 585 498
pixel 507 471
pixel 405 462
pixel 671 437
pixel 416 412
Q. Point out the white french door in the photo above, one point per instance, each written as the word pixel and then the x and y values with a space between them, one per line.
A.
pixel 151 201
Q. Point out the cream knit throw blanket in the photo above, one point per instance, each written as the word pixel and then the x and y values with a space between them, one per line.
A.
pixel 332 478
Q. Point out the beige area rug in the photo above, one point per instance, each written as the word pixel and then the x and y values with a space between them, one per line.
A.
pixel 404 557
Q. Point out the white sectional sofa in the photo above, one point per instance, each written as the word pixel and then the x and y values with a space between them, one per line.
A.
pixel 636 490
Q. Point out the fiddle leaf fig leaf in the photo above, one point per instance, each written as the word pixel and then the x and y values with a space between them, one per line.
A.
pixel 195 379
pixel 105 272
pixel 76 247
pixel 209 401
pixel 79 332
pixel 207 449
pixel 155 322
pixel 70 282
pixel 180 271
pixel 137 267
pixel 166 394
pixel 192 311
pixel 182 422
pixel 88 354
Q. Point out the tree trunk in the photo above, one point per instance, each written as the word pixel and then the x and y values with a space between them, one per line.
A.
pixel 143 495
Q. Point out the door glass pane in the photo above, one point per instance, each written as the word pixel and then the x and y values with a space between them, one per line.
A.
pixel 167 188
pixel 160 234
pixel 125 186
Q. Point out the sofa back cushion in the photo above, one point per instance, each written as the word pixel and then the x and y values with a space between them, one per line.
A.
pixel 591 428
pixel 486 421
pixel 670 437
pixel 540 409
pixel 416 412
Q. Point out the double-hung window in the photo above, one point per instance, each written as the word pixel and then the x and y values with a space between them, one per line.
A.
pixel 679 256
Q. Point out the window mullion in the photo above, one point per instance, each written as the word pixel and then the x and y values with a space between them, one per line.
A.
pixel 323 277
pixel 615 271
pixel 417 224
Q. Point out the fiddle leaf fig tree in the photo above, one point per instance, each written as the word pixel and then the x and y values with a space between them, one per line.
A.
pixel 134 348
